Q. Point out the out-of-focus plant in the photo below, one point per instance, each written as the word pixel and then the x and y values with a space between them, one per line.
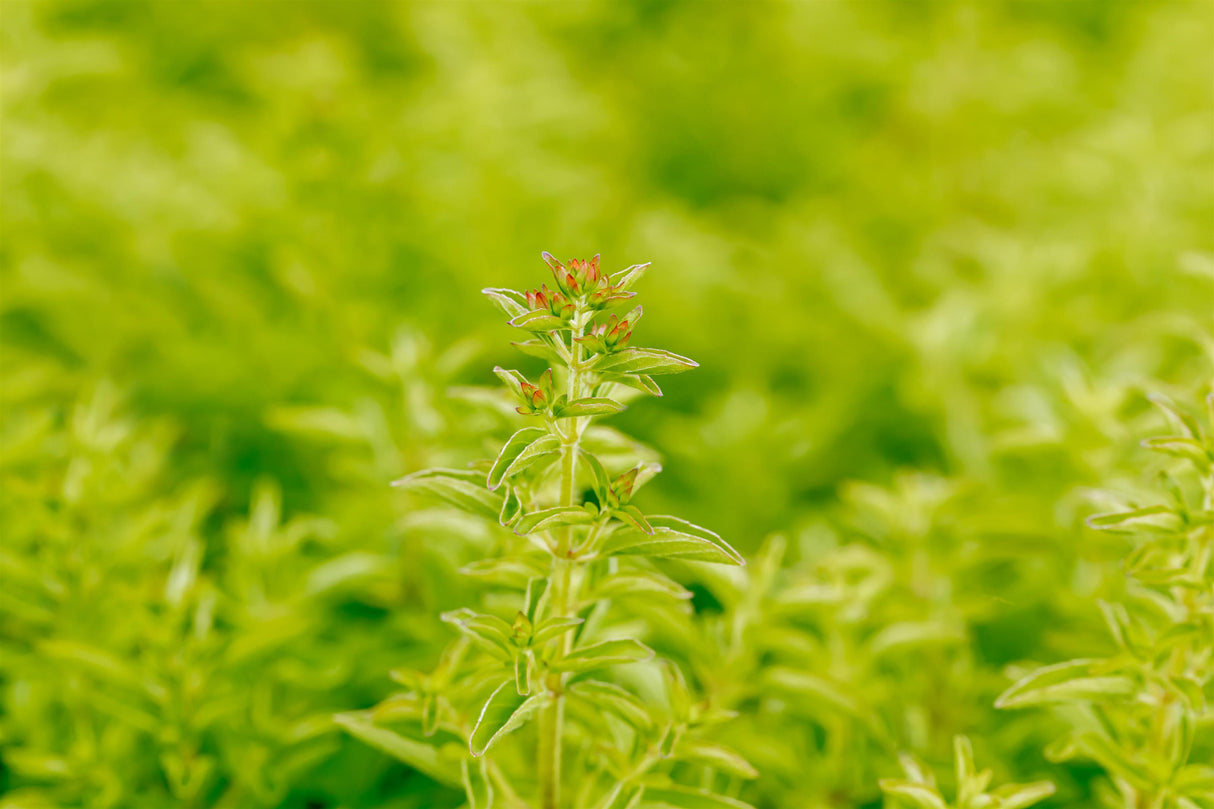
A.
pixel 918 789
pixel 577 545
pixel 1143 713
pixel 856 643
pixel 160 647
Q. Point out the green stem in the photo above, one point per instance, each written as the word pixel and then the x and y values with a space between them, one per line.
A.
pixel 563 589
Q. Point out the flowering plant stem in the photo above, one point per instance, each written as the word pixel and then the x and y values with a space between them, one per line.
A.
pixel 572 526
pixel 565 583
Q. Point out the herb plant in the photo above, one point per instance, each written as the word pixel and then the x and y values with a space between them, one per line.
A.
pixel 576 548
pixel 1142 713
pixel 918 789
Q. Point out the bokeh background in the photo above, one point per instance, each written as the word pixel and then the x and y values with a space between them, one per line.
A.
pixel 930 255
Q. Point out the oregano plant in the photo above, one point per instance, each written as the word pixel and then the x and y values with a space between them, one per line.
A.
pixel 538 658
pixel 1142 713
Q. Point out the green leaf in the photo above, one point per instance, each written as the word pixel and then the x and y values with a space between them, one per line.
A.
pixel 606 653
pixel 641 583
pixel 552 627
pixel 717 756
pixel 1180 419
pixel 634 517
pixel 1151 517
pixel 492 633
pixel 420 756
pixel 819 691
pixel 539 320
pixel 672 538
pixel 651 361
pixel 1109 755
pixel 920 796
pixel 970 782
pixel 464 489
pixel 626 279
pixel 477 787
pixel 511 571
pixel 1195 780
pixel 512 507
pixel 513 380
pixel 553 518
pixel 1189 448
pixel 602 480
pixel 541 349
pixel 1064 682
pixel 676 797
pixel 963 758
pixel 610 697
pixel 533 595
pixel 100 663
pixel 512 304
pixel 1018 796
pixel 641 382
pixel 914 635
pixel 594 406
pixel 505 711
pixel 622 796
pixel 525 448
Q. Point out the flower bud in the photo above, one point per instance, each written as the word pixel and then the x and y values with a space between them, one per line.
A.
pixel 605 338
pixel 547 300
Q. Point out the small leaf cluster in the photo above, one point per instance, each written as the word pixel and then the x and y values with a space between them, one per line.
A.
pixel 549 661
pixel 1143 713
pixel 918 789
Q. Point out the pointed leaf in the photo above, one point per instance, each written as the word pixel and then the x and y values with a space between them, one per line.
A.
pixel 514 445
pixel 651 361
pixel 1064 682
pixel 505 711
pixel 672 538
pixel 509 571
pixel 637 583
pixel 606 653
pixel 511 303
pixel 642 382
pixel 594 406
pixel 1018 796
pixel 717 756
pixel 1189 448
pixel 917 795
pixel 525 449
pixel 553 518
pixel 420 756
pixel 541 349
pixel 492 633
pixel 477 787
pixel 1151 517
pixel 1180 419
pixel 626 279
pixel 634 517
pixel 552 627
pixel 539 321
pixel 676 797
pixel 511 379
pixel 610 697
pixel 460 488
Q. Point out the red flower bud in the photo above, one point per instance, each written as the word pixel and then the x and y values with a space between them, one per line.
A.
pixel 622 486
pixel 535 397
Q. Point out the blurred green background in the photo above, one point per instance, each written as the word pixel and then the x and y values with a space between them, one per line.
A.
pixel 242 251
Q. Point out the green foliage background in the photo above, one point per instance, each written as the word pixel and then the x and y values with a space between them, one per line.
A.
pixel 929 255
